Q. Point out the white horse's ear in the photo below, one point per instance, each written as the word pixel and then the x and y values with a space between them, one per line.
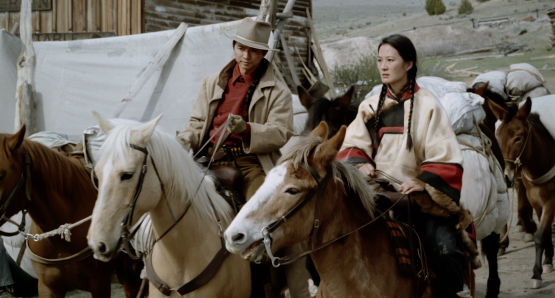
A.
pixel 105 125
pixel 146 130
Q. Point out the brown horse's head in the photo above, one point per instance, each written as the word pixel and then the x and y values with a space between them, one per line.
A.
pixel 288 184
pixel 512 134
pixel 11 170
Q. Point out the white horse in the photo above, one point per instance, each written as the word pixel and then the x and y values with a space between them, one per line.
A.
pixel 188 247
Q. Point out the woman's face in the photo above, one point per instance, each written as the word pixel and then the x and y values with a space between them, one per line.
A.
pixel 393 69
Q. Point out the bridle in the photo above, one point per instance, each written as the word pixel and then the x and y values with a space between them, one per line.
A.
pixel 24 181
pixel 322 182
pixel 517 162
pixel 269 229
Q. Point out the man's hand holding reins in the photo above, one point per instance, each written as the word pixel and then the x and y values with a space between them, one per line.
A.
pixel 237 124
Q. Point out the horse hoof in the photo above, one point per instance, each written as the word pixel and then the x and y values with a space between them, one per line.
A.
pixel 547 268
pixel 536 283
pixel 500 252
pixel 528 237
pixel 519 229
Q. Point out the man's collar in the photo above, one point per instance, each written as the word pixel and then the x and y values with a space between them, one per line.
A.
pixel 405 93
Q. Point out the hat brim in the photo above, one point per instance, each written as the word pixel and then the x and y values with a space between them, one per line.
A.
pixel 250 43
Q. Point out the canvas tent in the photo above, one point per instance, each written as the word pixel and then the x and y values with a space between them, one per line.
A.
pixel 73 78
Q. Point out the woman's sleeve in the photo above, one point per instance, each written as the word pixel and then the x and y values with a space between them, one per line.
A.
pixel 357 147
pixel 441 167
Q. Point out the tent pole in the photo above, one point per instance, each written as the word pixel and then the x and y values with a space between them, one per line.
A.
pixel 25 91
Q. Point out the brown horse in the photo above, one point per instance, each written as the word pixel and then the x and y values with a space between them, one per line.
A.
pixel 528 149
pixel 362 264
pixel 56 190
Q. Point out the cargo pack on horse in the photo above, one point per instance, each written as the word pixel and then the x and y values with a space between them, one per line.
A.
pixel 528 150
pixel 342 111
pixel 309 196
pixel 144 170
pixel 56 190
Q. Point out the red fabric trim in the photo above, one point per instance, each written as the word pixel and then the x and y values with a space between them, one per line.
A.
pixel 450 173
pixel 406 95
pixel 390 129
pixel 351 153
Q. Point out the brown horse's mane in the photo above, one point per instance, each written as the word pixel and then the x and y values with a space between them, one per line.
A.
pixel 342 173
pixel 63 175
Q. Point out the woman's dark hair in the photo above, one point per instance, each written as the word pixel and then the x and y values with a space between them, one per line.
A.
pixel 407 51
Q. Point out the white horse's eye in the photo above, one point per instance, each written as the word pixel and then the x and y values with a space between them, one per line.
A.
pixel 292 191
pixel 126 176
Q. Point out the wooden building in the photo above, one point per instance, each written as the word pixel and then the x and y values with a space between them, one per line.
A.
pixel 80 19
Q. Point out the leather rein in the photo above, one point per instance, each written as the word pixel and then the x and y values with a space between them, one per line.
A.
pixel 322 182
pixel 24 181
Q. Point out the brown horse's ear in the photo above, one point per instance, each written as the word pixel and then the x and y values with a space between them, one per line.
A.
pixel 105 125
pixel 304 97
pixel 482 89
pixel 145 131
pixel 321 131
pixel 345 100
pixel 331 148
pixel 525 110
pixel 15 141
pixel 497 110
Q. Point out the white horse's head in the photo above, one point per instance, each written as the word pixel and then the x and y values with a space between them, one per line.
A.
pixel 118 172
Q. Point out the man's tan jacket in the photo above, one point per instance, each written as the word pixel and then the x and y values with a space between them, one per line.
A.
pixel 270 115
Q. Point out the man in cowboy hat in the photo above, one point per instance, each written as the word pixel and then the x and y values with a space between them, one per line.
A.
pixel 261 112
pixel 260 107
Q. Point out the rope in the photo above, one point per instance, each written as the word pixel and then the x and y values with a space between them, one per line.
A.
pixel 63 231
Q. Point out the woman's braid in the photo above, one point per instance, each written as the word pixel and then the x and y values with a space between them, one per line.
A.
pixel 412 83
pixel 380 107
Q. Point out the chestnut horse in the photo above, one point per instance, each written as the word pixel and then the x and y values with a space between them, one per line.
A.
pixel 362 264
pixel 528 149
pixel 184 207
pixel 56 190
pixel 342 111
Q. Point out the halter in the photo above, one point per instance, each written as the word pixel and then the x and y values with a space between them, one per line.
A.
pixel 267 231
pixel 24 181
pixel 517 162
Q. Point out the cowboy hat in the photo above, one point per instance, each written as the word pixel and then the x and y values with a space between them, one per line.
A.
pixel 253 34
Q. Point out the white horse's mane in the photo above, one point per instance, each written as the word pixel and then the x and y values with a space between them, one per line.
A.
pixel 181 175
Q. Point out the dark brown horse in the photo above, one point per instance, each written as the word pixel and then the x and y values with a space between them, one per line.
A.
pixel 528 149
pixel 56 190
pixel 342 111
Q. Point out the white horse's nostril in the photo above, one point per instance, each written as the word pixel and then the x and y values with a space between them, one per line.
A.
pixel 238 238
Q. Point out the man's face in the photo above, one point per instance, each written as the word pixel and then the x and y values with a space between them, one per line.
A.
pixel 247 58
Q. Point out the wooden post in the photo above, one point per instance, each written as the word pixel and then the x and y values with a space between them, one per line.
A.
pixel 473 24
pixel 320 56
pixel 290 63
pixel 275 41
pixel 264 9
pixel 537 14
pixel 25 91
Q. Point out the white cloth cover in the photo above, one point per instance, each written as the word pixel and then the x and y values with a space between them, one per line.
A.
pixel 75 77
pixel 497 81
pixel 14 244
pixel 545 107
pixel 484 194
pixel 521 82
pixel 51 139
pixel 463 109
pixel 534 93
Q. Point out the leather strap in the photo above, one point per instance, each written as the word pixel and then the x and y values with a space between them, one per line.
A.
pixel 85 253
pixel 196 283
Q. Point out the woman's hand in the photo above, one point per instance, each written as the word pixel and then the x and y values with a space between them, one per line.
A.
pixel 412 185
pixel 368 170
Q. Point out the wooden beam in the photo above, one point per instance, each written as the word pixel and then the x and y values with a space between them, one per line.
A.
pixel 277 32
pixel 290 62
pixel 320 56
pixel 157 63
pixel 25 91
pixel 264 9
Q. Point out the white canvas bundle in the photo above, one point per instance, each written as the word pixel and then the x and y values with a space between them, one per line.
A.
pixel 522 78
pixel 484 193
pixel 545 107
pixel 496 82
pixel 51 139
pixel 463 110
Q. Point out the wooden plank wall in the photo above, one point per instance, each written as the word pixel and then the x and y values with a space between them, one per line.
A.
pixel 168 14
pixel 121 16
